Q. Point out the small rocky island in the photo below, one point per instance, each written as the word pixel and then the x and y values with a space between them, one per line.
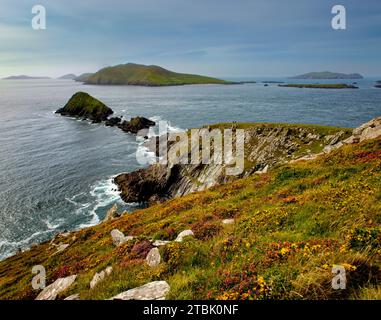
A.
pixel 83 105
pixel 319 86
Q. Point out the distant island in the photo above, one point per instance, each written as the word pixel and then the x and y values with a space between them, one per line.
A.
pixel 24 77
pixel 328 75
pixel 320 86
pixel 69 76
pixel 142 75
pixel 83 77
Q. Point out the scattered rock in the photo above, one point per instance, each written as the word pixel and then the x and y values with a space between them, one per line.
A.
pixel 112 213
pixel 114 121
pixel 158 243
pixel 228 221
pixel 100 276
pixel 369 130
pixel 184 234
pixel 118 238
pixel 136 124
pixel 156 290
pixel 153 258
pixel 58 286
pixel 263 171
pixel 61 247
pixel 73 297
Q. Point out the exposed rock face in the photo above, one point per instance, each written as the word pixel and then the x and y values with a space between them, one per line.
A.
pixel 112 213
pixel 58 286
pixel 156 290
pixel 183 234
pixel 82 105
pixel 228 221
pixel 61 247
pixel 265 146
pixel 159 243
pixel 136 124
pixel 114 121
pixel 118 238
pixel 73 297
pixel 142 185
pixel 369 130
pixel 153 258
pixel 100 276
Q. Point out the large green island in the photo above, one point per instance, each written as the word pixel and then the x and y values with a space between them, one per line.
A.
pixel 142 75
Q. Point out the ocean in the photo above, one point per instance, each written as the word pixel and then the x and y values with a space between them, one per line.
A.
pixel 56 172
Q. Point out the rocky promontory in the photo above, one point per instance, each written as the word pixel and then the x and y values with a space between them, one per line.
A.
pixel 266 145
pixel 82 105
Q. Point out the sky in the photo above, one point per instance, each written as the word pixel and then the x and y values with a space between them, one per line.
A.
pixel 235 38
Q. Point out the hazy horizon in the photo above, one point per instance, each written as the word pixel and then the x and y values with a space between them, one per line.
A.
pixel 245 39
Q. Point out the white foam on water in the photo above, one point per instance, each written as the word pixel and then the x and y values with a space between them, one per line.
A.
pixel 22 244
pixel 144 153
pixel 53 225
pixel 169 128
pixel 105 193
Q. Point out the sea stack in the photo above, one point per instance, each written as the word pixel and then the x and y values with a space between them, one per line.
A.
pixel 82 105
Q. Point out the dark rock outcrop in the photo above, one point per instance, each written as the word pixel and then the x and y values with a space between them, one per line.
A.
pixel 82 105
pixel 136 124
pixel 114 121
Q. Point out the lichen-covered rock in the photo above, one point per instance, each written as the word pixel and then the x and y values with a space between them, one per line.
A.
pixel 183 234
pixel 58 286
pixel 156 290
pixel 228 221
pixel 153 258
pixel 112 213
pixel 81 104
pixel 73 297
pixel 100 276
pixel 159 243
pixel 118 238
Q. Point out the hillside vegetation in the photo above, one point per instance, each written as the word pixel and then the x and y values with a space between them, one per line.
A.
pixel 291 226
pixel 137 74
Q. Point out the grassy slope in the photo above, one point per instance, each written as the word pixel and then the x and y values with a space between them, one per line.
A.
pixel 134 74
pixel 292 225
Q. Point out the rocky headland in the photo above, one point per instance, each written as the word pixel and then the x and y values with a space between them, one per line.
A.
pixel 266 146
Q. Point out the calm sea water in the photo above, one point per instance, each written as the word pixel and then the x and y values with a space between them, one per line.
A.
pixel 56 172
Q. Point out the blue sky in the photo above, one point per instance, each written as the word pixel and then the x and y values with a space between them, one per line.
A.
pixel 236 38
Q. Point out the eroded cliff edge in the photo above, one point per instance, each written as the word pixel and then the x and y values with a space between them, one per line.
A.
pixel 266 145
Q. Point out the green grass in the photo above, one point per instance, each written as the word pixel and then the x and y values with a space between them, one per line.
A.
pixel 291 226
pixel 135 74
